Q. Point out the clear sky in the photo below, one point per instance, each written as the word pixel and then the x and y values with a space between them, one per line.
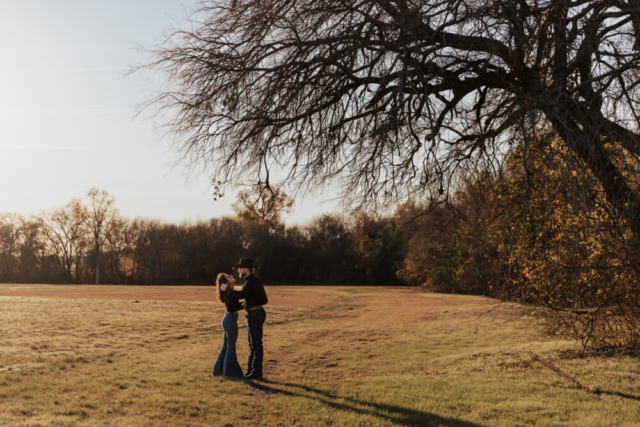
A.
pixel 67 112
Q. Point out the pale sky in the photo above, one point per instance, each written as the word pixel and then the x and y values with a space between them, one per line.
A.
pixel 67 112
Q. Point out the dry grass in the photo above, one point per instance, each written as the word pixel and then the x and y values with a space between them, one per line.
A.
pixel 114 355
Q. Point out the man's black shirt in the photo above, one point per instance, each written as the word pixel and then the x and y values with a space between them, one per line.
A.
pixel 253 292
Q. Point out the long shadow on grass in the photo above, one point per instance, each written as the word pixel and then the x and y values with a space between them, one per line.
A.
pixel 395 414
pixel 581 386
pixel 617 393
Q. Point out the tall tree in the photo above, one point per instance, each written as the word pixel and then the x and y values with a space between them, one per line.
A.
pixel 65 229
pixel 10 234
pixel 395 97
pixel 330 255
pixel 101 211
pixel 118 240
pixel 263 204
pixel 32 251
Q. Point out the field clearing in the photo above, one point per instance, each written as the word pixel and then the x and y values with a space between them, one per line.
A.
pixel 132 355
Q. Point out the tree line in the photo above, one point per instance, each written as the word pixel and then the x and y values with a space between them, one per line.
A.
pixel 88 241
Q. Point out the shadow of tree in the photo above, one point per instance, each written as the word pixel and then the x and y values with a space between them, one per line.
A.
pixel 618 394
pixel 397 415
pixel 581 386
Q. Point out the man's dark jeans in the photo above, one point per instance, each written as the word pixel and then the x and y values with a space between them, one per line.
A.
pixel 255 322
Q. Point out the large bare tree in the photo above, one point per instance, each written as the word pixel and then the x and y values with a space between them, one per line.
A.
pixel 396 98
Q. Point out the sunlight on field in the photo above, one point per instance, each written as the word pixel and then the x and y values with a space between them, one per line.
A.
pixel 119 355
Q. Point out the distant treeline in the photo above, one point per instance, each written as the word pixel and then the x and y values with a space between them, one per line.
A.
pixel 73 243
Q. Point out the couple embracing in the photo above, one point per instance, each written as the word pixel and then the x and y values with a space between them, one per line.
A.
pixel 254 297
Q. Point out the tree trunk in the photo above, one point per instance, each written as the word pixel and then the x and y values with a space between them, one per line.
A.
pixel 588 147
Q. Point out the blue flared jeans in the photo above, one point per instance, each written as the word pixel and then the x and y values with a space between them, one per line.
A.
pixel 227 362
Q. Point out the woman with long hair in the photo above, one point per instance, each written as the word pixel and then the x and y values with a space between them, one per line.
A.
pixel 227 362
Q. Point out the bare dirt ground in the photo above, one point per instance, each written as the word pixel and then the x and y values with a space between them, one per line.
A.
pixel 134 355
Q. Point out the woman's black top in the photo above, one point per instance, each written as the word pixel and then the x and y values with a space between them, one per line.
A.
pixel 231 301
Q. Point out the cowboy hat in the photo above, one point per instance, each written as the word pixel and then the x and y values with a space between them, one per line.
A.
pixel 245 263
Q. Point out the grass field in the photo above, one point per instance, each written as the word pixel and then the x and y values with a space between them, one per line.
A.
pixel 116 355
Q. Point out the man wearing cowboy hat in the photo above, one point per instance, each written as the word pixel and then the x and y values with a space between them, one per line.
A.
pixel 254 297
